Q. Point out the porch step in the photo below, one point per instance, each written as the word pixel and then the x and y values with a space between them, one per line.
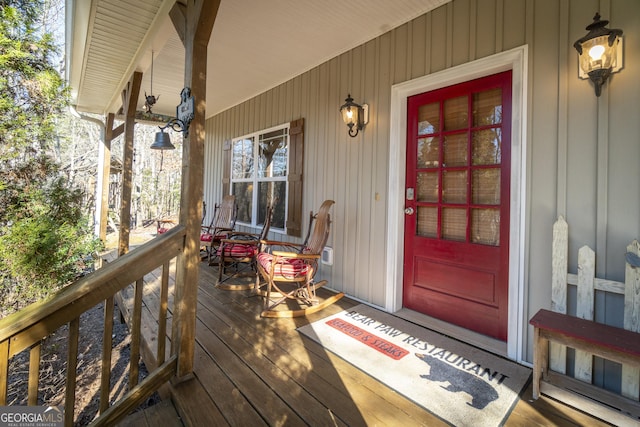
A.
pixel 163 413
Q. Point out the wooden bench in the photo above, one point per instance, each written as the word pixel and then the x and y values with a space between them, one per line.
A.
pixel 581 390
pixel 608 342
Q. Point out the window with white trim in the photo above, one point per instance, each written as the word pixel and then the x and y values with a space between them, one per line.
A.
pixel 259 171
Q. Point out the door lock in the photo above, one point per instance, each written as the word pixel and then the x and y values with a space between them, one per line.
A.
pixel 409 211
pixel 410 193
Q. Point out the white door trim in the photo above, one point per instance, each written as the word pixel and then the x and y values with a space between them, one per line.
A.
pixel 517 61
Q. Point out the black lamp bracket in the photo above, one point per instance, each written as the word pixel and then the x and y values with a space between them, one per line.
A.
pixel 177 125
pixel 184 114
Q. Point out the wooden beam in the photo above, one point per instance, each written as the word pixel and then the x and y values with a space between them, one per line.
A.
pixel 129 102
pixel 194 25
pixel 178 15
pixel 117 131
pixel 109 135
pixel 143 117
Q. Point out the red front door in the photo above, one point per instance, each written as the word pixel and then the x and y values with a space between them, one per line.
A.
pixel 456 251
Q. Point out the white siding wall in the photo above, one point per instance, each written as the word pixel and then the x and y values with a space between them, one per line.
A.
pixel 583 151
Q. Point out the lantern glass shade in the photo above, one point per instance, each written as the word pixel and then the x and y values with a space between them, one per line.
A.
pixel 597 54
pixel 350 115
pixel 162 142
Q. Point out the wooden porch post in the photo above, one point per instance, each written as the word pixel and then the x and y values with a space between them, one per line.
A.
pixel 109 135
pixel 193 23
pixel 104 170
pixel 129 102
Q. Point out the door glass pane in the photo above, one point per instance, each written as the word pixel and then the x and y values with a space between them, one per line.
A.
pixel 485 226
pixel 244 196
pixel 454 224
pixel 486 186
pixel 274 192
pixel 455 150
pixel 487 146
pixel 487 107
pixel 428 118
pixel 428 152
pixel 428 187
pixel 272 154
pixel 454 187
pixel 427 221
pixel 456 115
pixel 242 159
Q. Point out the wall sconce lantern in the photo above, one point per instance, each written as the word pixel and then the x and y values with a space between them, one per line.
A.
pixel 184 113
pixel 599 52
pixel 354 115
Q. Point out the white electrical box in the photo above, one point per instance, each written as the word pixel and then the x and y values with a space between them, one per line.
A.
pixel 327 256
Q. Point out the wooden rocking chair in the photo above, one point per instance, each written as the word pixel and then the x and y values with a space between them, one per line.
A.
pixel 222 223
pixel 166 224
pixel 289 275
pixel 238 252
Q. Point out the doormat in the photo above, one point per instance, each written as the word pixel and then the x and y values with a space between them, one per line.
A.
pixel 458 383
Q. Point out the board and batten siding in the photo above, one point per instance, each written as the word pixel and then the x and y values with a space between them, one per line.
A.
pixel 582 152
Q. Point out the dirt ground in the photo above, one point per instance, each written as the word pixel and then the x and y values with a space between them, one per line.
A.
pixel 53 362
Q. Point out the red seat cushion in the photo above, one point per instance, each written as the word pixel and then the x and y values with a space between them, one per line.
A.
pixel 286 268
pixel 237 250
pixel 207 237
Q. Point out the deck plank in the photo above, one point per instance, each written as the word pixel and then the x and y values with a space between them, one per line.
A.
pixel 254 371
pixel 352 395
pixel 252 352
pixel 267 403
pixel 227 397
pixel 195 405
pixel 163 414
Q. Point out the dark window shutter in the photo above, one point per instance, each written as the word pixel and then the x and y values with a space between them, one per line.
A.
pixel 226 168
pixel 294 177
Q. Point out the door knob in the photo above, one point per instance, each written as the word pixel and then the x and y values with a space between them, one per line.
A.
pixel 409 211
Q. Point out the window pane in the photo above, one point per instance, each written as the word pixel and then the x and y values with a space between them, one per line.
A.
pixel 427 221
pixel 428 152
pixel 485 226
pixel 428 187
pixel 428 118
pixel 454 187
pixel 487 107
pixel 244 197
pixel 242 159
pixel 272 192
pixel 272 154
pixel 456 115
pixel 486 186
pixel 454 224
pixel 487 147
pixel 455 150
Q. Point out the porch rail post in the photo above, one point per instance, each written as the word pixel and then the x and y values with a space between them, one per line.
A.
pixel 193 23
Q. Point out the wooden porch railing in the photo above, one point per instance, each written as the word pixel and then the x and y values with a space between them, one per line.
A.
pixel 27 328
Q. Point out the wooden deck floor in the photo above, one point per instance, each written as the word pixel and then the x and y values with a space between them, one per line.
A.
pixel 255 371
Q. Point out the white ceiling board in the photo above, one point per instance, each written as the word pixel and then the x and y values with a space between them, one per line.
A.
pixel 255 45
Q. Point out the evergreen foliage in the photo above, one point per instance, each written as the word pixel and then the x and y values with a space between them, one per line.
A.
pixel 44 236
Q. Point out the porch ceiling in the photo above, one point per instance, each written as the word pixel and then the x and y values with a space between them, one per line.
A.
pixel 255 45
